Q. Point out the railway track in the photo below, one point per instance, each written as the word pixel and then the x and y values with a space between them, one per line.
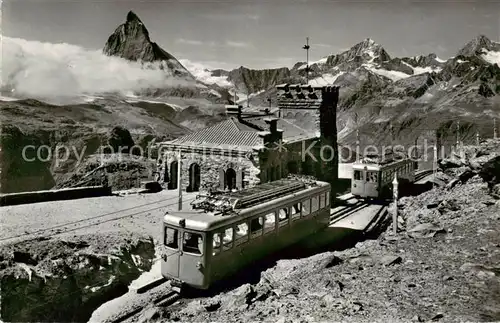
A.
pixel 164 299
pixel 422 174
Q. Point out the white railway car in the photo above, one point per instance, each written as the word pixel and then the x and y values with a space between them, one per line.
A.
pixel 374 180
pixel 203 247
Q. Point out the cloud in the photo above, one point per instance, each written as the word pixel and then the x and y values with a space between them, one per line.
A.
pixel 202 72
pixel 44 70
pixel 189 42
pixel 231 17
pixel 321 45
pixel 237 44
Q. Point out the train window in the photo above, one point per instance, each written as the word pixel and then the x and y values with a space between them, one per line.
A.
pixel 240 233
pixel 314 204
pixel 358 175
pixel 306 207
pixel 371 177
pixel 270 222
pixel 322 201
pixel 192 243
pixel 171 238
pixel 296 208
pixel 256 227
pixel 216 243
pixel 227 239
pixel 283 216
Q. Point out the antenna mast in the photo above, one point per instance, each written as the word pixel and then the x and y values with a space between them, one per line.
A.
pixel 306 47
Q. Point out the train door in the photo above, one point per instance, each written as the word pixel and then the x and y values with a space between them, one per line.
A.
pixel 192 262
pixel 371 183
pixel 172 240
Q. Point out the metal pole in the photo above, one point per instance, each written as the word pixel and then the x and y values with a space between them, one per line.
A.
pixel 458 130
pixel 179 182
pixel 357 145
pixel 494 128
pixel 434 165
pixel 395 197
pixel 306 47
pixel 477 138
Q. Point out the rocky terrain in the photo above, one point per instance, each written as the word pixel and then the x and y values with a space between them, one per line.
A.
pixel 65 279
pixel 443 265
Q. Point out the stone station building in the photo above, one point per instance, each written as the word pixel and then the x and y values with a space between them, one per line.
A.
pixel 251 148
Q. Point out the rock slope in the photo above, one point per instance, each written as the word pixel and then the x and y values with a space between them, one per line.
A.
pixel 441 266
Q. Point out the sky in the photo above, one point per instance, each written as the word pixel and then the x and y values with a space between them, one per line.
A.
pixel 260 33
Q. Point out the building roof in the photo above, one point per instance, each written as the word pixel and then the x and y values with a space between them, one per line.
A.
pixel 240 134
pixel 226 134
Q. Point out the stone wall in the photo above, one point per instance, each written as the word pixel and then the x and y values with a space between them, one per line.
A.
pixel 54 195
pixel 213 168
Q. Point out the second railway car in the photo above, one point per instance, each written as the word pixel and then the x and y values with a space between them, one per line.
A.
pixel 374 180
pixel 203 246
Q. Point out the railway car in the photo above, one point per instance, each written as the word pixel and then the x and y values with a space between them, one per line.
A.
pixel 372 180
pixel 231 231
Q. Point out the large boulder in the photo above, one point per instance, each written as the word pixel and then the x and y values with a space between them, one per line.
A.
pixel 490 172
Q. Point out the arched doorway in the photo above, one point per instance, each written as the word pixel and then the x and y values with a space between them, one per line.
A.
pixel 165 174
pixel 194 178
pixel 172 184
pixel 230 179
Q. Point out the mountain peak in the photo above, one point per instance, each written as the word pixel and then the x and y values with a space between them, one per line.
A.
pixel 476 45
pixel 131 41
pixel 132 17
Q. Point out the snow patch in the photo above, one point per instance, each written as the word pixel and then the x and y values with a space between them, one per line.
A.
pixel 393 75
pixel 318 62
pixel 204 74
pixel 27 269
pixel 326 79
pixel 428 69
pixel 491 57
pixel 6 98
pixel 440 60
pixel 213 92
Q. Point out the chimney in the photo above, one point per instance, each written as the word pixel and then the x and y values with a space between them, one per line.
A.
pixel 273 125
pixel 234 111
